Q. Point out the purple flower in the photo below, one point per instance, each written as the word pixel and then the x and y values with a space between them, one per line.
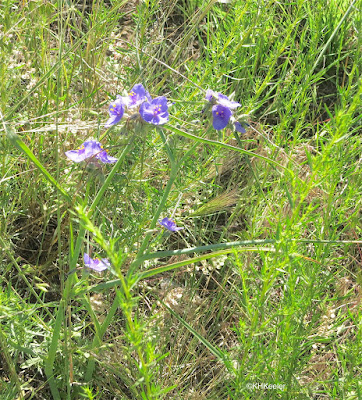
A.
pixel 137 96
pixel 224 101
pixel 221 108
pixel 155 111
pixel 169 224
pixel 90 149
pixel 96 264
pixel 211 95
pixel 219 98
pixel 240 127
pixel 221 116
pixel 116 111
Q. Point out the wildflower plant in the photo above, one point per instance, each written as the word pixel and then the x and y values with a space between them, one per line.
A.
pixel 222 111
pixel 121 211
pixel 116 111
pixel 90 149
pixel 137 95
pixel 138 105
pixel 169 224
pixel 141 113
pixel 96 264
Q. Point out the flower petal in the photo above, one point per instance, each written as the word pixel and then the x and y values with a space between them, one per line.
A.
pixel 92 148
pixel 169 224
pixel 224 101
pixel 137 95
pixel 113 120
pixel 76 155
pixel 105 158
pixel 210 95
pixel 87 259
pixel 160 101
pixel 163 118
pixel 96 264
pixel 239 127
pixel 100 265
pixel 146 112
pixel 116 111
pixel 221 116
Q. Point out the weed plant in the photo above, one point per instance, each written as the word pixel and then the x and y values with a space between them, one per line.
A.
pixel 180 261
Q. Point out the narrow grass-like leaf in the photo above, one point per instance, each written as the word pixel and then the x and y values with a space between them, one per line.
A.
pixel 16 140
pixel 49 361
pixel 208 256
pixel 325 47
pixel 220 144
pixel 213 349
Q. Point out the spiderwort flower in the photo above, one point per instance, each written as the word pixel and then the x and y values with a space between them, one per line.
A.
pixel 224 101
pixel 222 113
pixel 90 148
pixel 169 224
pixel 221 116
pixel 116 111
pixel 210 95
pixel 240 127
pixel 96 264
pixel 219 98
pixel 136 96
pixel 155 111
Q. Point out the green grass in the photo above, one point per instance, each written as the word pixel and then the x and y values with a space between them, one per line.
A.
pixel 263 284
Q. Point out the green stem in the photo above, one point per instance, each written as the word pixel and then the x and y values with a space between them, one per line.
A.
pixel 168 148
pixel 99 335
pixel 198 249
pixel 100 332
pixel 49 361
pixel 16 140
pixel 74 256
pixel 221 144
pixel 161 206
pixel 125 289
pixel 325 47
pixel 108 181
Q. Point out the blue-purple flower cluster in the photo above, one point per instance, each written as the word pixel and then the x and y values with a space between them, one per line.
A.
pixel 222 111
pixel 138 104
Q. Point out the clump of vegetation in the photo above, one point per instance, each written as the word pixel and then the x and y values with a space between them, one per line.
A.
pixel 180 199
